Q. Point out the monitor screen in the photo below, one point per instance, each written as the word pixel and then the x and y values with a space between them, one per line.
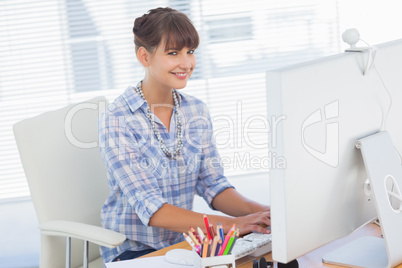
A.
pixel 317 111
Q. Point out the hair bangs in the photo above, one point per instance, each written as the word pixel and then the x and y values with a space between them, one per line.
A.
pixel 181 33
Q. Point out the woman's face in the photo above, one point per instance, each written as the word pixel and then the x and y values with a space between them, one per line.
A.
pixel 171 68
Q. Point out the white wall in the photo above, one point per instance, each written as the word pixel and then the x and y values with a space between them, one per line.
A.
pixel 19 235
pixel 378 21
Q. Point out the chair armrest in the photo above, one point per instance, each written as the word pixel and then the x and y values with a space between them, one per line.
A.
pixel 91 233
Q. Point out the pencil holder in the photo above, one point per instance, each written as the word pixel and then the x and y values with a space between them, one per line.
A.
pixel 224 261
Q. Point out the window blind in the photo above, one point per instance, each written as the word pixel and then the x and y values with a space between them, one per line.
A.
pixel 53 53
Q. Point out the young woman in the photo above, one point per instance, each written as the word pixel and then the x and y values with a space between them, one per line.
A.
pixel 157 145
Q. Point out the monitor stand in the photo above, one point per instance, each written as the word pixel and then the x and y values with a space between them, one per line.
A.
pixel 383 165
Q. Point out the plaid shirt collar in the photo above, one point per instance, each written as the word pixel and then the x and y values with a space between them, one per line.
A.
pixel 135 101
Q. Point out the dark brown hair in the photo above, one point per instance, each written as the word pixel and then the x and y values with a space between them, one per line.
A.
pixel 164 23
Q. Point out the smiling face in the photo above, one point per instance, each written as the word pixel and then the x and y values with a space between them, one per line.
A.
pixel 165 40
pixel 170 67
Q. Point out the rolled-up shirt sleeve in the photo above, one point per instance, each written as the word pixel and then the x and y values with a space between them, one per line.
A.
pixel 211 179
pixel 121 155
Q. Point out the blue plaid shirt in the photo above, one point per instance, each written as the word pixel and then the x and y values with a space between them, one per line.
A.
pixel 141 178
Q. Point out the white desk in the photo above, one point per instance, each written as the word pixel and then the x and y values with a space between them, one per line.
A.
pixel 310 260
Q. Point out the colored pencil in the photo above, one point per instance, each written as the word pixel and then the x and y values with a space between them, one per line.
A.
pixel 214 244
pixel 218 247
pixel 195 240
pixel 221 233
pixel 229 244
pixel 206 221
pixel 234 241
pixel 201 249
pixel 189 240
pixel 225 242
pixel 195 234
pixel 211 230
pixel 200 233
pixel 205 244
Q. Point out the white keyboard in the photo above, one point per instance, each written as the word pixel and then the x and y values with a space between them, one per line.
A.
pixel 254 244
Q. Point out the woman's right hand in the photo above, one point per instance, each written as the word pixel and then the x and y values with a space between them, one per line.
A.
pixel 254 222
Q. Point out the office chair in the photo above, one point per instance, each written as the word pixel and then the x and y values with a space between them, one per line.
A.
pixel 66 177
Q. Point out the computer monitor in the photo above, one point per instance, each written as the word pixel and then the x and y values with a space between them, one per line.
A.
pixel 317 110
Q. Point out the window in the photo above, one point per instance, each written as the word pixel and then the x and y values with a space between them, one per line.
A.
pixel 53 53
pixel 231 28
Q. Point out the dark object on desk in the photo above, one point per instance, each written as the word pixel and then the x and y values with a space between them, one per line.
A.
pixel 262 263
pixel 292 264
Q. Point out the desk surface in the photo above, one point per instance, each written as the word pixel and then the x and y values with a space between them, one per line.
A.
pixel 311 259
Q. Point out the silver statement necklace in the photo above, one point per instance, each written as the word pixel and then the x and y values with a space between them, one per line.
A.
pixel 179 129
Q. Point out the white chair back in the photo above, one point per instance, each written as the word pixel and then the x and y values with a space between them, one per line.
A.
pixel 66 177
